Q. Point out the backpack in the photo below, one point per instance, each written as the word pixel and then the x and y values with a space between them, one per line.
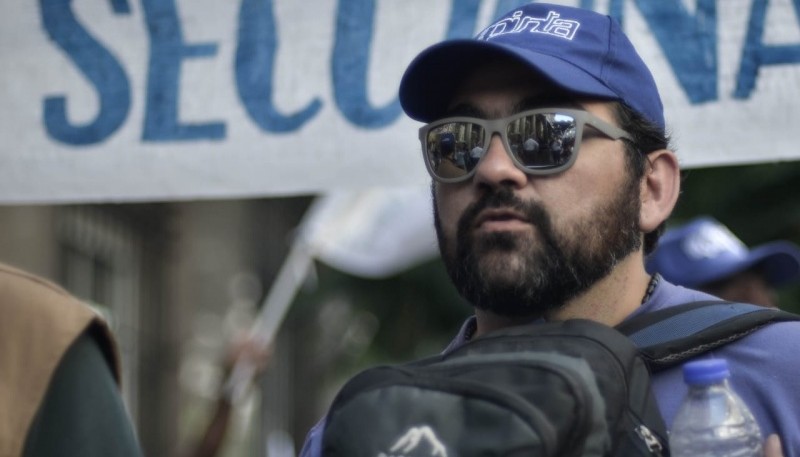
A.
pixel 572 388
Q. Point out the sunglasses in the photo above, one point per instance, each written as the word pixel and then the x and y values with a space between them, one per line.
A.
pixel 540 141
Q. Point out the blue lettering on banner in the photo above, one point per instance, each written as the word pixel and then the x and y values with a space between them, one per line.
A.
pixel 100 68
pixel 689 43
pixel 255 67
pixel 463 17
pixel 688 40
pixel 504 6
pixel 615 10
pixel 354 22
pixel 167 51
pixel 757 54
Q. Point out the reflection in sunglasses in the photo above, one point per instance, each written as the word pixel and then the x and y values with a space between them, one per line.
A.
pixel 541 141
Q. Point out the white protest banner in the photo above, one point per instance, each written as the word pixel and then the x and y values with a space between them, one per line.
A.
pixel 123 100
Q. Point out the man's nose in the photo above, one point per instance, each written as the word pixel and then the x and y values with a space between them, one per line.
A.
pixel 497 169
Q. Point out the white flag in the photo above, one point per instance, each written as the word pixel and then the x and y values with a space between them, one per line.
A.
pixel 372 233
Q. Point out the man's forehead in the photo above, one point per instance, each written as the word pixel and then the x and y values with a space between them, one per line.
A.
pixel 506 87
pixel 475 108
pixel 503 75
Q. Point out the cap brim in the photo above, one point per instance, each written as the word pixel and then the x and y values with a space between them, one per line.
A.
pixel 430 81
pixel 779 261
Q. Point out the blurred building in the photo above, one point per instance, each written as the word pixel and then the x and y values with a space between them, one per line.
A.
pixel 177 281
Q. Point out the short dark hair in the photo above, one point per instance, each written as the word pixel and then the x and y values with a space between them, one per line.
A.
pixel 647 137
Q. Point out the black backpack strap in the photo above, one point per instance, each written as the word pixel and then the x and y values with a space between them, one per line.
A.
pixel 669 336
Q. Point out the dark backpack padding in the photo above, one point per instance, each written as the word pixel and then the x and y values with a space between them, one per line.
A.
pixel 632 414
pixel 574 388
pixel 673 335
pixel 462 407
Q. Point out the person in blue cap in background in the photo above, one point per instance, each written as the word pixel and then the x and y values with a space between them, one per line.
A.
pixel 704 254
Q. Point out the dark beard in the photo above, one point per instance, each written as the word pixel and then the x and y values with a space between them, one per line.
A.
pixel 554 266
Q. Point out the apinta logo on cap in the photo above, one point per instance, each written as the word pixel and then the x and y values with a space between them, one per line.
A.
pixel 517 23
pixel 580 51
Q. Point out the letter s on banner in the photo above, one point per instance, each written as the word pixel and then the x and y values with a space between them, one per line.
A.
pixel 100 68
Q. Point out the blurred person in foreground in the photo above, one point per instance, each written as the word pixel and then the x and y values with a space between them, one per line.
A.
pixel 704 254
pixel 59 375
pixel 528 240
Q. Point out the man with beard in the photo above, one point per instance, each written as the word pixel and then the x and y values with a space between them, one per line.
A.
pixel 534 240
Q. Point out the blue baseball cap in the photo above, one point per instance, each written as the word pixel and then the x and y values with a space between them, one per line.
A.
pixel 581 51
pixel 704 251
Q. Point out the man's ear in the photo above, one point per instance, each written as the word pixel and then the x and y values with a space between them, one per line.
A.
pixel 660 188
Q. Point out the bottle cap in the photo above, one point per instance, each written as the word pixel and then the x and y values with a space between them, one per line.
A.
pixel 704 372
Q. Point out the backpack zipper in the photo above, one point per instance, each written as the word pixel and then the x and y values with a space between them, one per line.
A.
pixel 650 440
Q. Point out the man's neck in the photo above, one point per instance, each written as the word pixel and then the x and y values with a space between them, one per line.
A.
pixel 609 301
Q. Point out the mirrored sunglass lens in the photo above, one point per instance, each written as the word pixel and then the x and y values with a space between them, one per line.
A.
pixel 543 140
pixel 453 149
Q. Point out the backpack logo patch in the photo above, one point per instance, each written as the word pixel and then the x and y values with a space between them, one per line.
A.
pixel 415 441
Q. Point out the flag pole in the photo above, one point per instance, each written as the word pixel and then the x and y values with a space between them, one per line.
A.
pixel 275 306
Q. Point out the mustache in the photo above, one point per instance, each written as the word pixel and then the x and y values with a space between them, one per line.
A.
pixel 503 198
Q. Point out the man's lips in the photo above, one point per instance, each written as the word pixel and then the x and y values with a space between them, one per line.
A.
pixel 501 219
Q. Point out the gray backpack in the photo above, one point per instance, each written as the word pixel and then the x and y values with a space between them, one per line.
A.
pixel 560 389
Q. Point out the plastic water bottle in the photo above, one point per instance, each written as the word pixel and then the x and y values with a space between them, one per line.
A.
pixel 713 421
